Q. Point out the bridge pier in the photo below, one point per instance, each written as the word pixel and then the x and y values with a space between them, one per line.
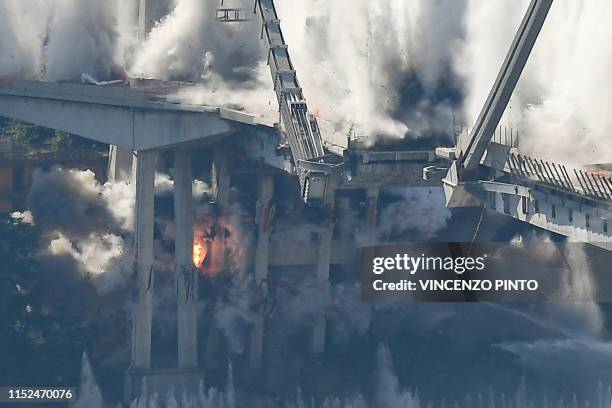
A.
pixel 221 189
pixel 220 185
pixel 144 178
pixel 372 196
pixel 265 213
pixel 119 163
pixel 186 274
pixel 323 264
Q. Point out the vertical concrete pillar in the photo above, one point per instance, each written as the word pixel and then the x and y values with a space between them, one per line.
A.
pixel 220 176
pixel 264 215
pixel 186 275
pixel 220 183
pixel 372 195
pixel 221 189
pixel 144 178
pixel 150 12
pixel 119 164
pixel 323 263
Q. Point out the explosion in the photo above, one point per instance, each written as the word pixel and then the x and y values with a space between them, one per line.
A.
pixel 199 252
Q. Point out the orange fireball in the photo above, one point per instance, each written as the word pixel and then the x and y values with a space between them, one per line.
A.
pixel 199 253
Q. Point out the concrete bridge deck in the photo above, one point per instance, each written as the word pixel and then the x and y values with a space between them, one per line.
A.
pixel 133 119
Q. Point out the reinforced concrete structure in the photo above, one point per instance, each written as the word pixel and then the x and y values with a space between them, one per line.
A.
pixel 577 205
pixel 139 122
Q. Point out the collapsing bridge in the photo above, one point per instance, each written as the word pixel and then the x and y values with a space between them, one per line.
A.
pixel 577 205
pixel 139 123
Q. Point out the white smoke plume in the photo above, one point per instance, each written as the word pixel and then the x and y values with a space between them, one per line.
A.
pixel 23 28
pixel 164 184
pixel 60 39
pixel 359 62
pixel 190 44
pixel 387 393
pixel 99 256
pixel 81 38
pixel 89 395
pixel 353 57
pixel 419 210
pixel 86 221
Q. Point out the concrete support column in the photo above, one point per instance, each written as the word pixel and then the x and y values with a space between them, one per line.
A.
pixel 144 178
pixel 264 216
pixel 119 164
pixel 220 183
pixel 186 275
pixel 150 12
pixel 372 195
pixel 221 189
pixel 323 263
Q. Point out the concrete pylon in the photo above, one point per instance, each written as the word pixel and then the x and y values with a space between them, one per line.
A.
pixel 186 273
pixel 144 179
pixel 150 12
pixel 221 188
pixel 323 263
pixel 119 164
pixel 264 216
pixel 372 194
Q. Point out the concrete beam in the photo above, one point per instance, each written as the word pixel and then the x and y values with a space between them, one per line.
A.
pixel 116 116
pixel 264 215
pixel 186 274
pixel 575 219
pixel 144 177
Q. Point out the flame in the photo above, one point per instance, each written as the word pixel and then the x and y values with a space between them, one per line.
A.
pixel 199 252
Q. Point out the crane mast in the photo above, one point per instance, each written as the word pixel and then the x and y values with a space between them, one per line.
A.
pixel 300 126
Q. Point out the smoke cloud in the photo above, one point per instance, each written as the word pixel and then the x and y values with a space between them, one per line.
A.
pixel 561 106
pixel 190 44
pixel 81 38
pixel 417 210
pixel 389 68
pixel 60 39
pixel 85 220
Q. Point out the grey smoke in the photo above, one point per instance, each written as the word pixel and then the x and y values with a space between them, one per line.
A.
pixel 81 38
pixel 190 44
pixel 355 79
pixel 416 210
pixel 70 201
pixel 87 221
